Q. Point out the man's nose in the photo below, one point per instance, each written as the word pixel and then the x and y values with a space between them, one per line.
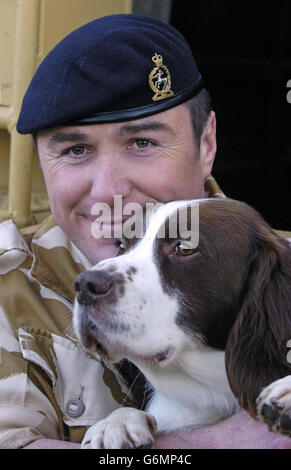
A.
pixel 110 179
pixel 91 285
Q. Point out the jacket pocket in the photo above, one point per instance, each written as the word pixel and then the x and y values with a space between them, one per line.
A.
pixel 84 389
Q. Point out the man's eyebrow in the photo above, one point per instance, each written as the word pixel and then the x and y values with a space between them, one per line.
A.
pixel 61 137
pixel 132 129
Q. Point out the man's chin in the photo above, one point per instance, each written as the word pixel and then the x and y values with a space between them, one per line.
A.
pixel 94 249
pixel 98 250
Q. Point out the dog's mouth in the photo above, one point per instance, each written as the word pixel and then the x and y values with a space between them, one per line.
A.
pixel 161 358
pixel 112 350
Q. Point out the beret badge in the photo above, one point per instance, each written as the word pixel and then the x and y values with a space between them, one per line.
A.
pixel 160 79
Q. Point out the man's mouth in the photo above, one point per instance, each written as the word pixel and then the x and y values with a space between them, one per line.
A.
pixel 106 226
pixel 95 219
pixel 108 223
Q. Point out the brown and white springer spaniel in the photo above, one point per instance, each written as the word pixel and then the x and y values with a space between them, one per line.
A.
pixel 199 332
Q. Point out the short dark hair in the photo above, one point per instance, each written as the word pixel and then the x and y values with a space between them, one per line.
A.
pixel 34 136
pixel 199 106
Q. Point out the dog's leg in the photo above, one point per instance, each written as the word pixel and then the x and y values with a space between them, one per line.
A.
pixel 124 428
pixel 274 405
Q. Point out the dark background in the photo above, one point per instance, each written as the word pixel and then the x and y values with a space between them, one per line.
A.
pixel 243 51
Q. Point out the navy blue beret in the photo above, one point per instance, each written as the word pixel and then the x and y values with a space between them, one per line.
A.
pixel 113 69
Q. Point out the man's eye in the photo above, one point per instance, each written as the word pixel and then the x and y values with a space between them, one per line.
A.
pixel 77 150
pixel 142 143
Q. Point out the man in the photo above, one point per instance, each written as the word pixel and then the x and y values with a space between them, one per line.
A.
pixel 117 108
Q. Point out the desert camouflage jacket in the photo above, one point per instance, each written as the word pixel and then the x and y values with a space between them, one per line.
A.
pixel 49 387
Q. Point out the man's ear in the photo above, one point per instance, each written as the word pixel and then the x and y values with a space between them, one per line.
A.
pixel 208 145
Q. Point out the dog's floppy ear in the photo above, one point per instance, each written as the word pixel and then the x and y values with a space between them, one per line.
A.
pixel 256 350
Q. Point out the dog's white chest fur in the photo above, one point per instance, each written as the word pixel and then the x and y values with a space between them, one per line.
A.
pixel 184 396
pixel 193 391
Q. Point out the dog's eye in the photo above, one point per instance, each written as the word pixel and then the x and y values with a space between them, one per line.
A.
pixel 184 250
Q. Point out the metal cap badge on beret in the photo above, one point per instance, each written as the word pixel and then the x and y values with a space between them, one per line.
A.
pixel 113 69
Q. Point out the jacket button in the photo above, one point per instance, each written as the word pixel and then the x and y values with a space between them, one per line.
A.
pixel 75 407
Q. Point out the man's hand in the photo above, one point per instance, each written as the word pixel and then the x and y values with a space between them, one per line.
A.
pixel 51 444
pixel 240 431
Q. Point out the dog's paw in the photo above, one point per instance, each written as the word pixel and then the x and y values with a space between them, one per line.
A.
pixel 274 405
pixel 125 428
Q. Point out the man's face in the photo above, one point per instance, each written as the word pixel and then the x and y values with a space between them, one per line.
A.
pixel 154 159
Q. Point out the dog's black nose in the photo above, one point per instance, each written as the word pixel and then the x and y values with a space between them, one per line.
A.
pixel 91 284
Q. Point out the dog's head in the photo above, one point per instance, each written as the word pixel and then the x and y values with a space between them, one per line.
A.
pixel 164 296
